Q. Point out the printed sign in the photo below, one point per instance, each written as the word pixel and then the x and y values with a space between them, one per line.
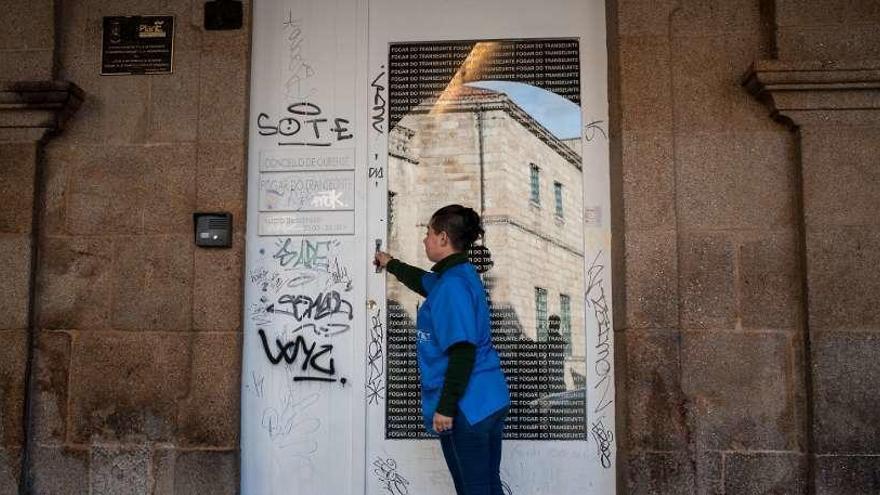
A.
pixel 137 45
pixel 306 191
pixel 312 223
pixel 287 161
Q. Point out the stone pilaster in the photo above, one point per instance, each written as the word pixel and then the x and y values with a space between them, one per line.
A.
pixel 835 110
pixel 29 113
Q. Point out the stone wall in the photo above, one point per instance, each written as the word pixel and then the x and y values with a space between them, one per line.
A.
pixel 747 322
pixel 136 332
pixel 743 349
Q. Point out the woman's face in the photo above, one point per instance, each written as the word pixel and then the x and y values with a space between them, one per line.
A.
pixel 436 244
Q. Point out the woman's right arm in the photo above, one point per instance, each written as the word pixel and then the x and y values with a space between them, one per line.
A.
pixel 409 275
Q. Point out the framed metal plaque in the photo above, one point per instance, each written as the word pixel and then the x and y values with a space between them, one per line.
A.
pixel 137 45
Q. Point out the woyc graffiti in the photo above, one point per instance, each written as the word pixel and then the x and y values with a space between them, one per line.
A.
pixel 320 361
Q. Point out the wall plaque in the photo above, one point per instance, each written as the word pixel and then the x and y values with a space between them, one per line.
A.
pixel 137 45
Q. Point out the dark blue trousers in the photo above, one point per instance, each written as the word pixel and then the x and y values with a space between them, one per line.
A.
pixel 473 454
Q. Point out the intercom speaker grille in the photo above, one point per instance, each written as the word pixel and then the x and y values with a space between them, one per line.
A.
pixel 218 223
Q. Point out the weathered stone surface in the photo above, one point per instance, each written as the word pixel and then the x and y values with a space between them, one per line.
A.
pixel 712 99
pixel 847 399
pixel 17 166
pixel 50 412
pixel 655 473
pixel 648 180
pixel 709 18
pixel 152 283
pixel 199 472
pixel 708 290
pixel 131 190
pixel 105 191
pixel 709 467
pixel 174 101
pixel 27 65
pixel 10 469
pixel 842 277
pixel 162 470
pixel 119 469
pixel 115 110
pixel 760 474
pixel 60 163
pixel 841 176
pixel 740 389
pixel 770 289
pixel 27 26
pixel 736 180
pixel 646 100
pixel 223 89
pixel 655 413
pixel 15 269
pixel 644 17
pixel 170 190
pixel 13 359
pixel 209 415
pixel 221 180
pixel 651 279
pixel 847 475
pixel 60 470
pixel 125 386
pixel 217 296
pixel 827 13
pixel 74 282
pixel 852 41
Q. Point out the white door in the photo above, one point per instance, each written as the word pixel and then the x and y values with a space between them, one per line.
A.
pixel 365 117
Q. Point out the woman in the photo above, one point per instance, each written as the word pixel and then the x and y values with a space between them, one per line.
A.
pixel 464 392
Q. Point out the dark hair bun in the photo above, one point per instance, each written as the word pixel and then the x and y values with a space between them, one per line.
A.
pixel 461 224
pixel 473 227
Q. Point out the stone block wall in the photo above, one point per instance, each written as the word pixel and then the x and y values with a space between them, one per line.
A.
pixel 136 332
pixel 742 348
pixel 747 322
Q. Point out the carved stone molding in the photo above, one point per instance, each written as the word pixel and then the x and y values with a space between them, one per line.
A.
pixel 32 109
pixel 816 92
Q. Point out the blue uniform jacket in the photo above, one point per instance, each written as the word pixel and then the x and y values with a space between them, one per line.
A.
pixel 454 311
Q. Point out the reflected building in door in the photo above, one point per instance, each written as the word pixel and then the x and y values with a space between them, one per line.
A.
pixel 478 148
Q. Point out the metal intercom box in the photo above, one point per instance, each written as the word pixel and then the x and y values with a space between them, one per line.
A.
pixel 213 229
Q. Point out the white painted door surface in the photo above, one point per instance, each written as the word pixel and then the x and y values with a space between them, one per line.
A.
pixel 315 417
pixel 302 373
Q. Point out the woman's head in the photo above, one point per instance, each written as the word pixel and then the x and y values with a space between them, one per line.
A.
pixel 452 229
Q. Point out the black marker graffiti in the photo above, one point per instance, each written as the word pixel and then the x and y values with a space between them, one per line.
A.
pixel 290 351
pixel 592 128
pixel 375 361
pixel 339 275
pixel 376 173
pixel 593 274
pixel 324 305
pixel 602 363
pixel 266 280
pixel 378 103
pixel 299 69
pixel 603 438
pixel 389 479
pixel 305 125
pixel 602 367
